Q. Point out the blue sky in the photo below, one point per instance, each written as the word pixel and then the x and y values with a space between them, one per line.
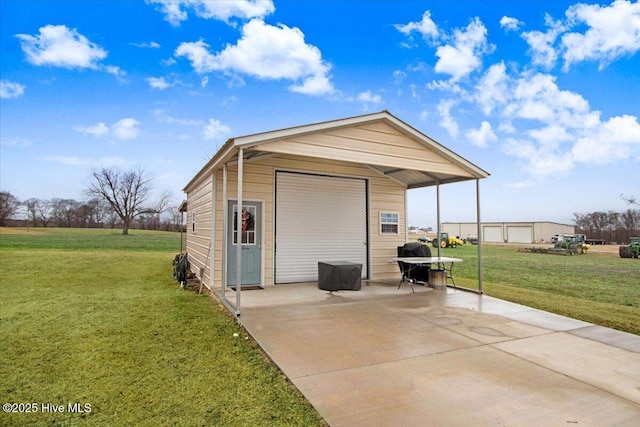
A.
pixel 544 95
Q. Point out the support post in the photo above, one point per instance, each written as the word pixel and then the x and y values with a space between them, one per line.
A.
pixel 438 216
pixel 239 231
pixel 212 243
pixel 225 231
pixel 479 222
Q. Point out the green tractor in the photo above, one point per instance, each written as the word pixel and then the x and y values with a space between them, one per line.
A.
pixel 572 244
pixel 632 250
pixel 446 241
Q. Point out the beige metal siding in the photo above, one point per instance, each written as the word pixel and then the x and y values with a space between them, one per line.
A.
pixel 376 144
pixel 537 232
pixel 199 202
pixel 384 195
pixel 544 231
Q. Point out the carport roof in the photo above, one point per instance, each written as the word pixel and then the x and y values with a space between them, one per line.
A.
pixel 380 141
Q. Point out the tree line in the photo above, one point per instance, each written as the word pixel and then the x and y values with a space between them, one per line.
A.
pixel 117 198
pixel 91 213
pixel 614 227
pixel 123 199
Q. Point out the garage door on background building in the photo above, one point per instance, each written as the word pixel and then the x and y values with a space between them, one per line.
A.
pixel 318 218
pixel 519 234
pixel 492 234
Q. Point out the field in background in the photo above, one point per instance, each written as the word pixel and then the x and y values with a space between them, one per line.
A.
pixel 89 239
pixel 599 287
pixel 91 317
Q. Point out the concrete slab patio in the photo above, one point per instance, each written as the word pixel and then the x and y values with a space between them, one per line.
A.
pixel 384 356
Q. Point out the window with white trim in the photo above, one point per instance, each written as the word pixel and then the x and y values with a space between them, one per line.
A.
pixel 389 222
pixel 193 222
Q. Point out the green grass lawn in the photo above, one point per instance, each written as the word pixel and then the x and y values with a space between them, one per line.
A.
pixel 107 326
pixel 94 317
pixel 599 288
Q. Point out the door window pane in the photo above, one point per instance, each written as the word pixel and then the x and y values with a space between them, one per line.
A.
pixel 248 225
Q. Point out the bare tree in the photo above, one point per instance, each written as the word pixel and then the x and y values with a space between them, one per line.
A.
pixel 44 210
pixel 127 192
pixel 8 206
pixel 100 210
pixel 65 211
pixel 175 218
pixel 630 221
pixel 32 206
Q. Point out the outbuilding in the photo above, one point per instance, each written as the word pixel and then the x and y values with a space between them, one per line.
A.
pixel 509 232
pixel 325 191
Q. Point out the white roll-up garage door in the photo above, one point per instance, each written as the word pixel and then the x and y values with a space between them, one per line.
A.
pixel 318 218
pixel 519 234
pixel 492 233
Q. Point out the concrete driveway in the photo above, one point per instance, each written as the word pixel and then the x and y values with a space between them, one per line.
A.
pixel 384 356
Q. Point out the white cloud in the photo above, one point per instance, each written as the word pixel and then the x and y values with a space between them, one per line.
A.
pixel 216 130
pixel 399 76
pixel 168 62
pixel 538 97
pixel 126 128
pixel 510 24
pixel 369 97
pixel 481 136
pixel 615 139
pixel 162 116
pixel 446 120
pixel 175 11
pixel 541 44
pixel 9 89
pixel 459 57
pixel 159 83
pixel 463 56
pixel 537 160
pixel 59 46
pixel 492 90
pixel 99 129
pixel 198 53
pixel 551 136
pixel 149 45
pixel 122 129
pixel 507 127
pixel 266 52
pixel 69 160
pixel 112 69
pixel 557 128
pixel 613 31
pixel 445 86
pixel 15 142
pixel 86 162
pixel 426 27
